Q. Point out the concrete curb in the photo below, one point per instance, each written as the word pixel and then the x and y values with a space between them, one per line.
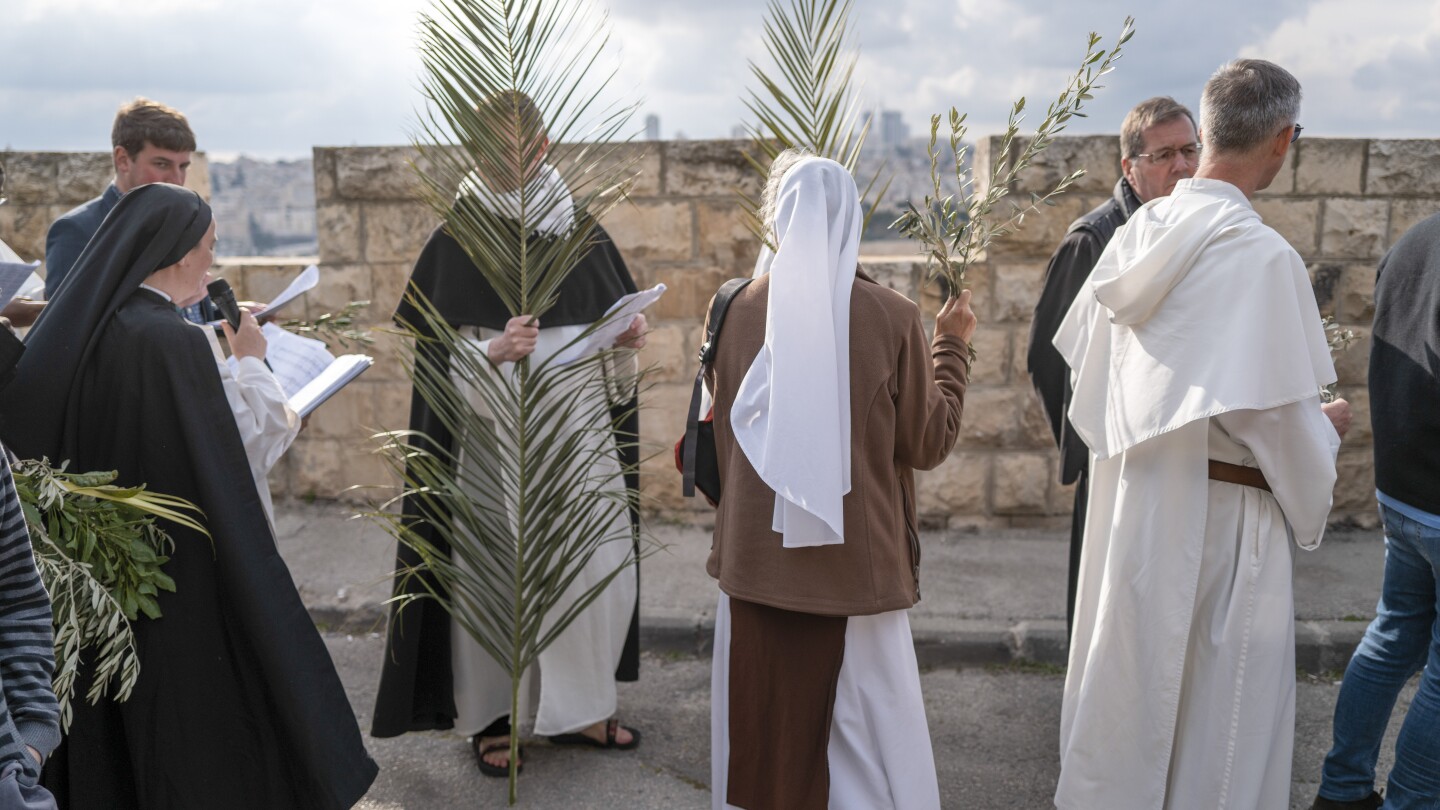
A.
pixel 1320 646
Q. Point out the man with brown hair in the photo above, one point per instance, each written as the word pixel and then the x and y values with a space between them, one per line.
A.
pixel 1158 148
pixel 152 143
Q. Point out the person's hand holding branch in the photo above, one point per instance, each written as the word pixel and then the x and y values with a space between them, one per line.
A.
pixel 956 318
pixel 1339 415
pixel 518 340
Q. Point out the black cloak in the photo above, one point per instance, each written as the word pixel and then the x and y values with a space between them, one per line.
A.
pixel 416 687
pixel 1068 271
pixel 238 704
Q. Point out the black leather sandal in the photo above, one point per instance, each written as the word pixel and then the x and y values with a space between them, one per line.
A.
pixel 611 726
pixel 497 771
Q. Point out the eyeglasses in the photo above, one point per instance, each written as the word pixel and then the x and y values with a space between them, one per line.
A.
pixel 1295 136
pixel 1190 151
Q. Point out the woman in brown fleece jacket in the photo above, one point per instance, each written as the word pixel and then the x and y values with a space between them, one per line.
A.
pixel 815 679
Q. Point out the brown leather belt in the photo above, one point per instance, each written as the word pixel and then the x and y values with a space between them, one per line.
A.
pixel 1236 474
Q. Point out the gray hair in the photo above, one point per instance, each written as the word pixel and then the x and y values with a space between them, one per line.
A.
pixel 1146 114
pixel 1246 102
pixel 783 163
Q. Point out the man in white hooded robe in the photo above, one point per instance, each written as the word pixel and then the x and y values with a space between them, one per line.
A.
pixel 1198 357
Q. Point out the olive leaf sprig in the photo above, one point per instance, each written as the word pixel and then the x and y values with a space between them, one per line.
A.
pixel 1339 341
pixel 954 231
pixel 100 553
pixel 339 326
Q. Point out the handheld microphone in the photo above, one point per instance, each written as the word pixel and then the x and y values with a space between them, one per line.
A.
pixel 224 299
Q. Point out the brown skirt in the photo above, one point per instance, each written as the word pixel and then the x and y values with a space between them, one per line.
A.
pixel 783 670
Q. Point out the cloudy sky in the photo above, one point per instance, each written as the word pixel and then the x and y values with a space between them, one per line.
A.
pixel 272 78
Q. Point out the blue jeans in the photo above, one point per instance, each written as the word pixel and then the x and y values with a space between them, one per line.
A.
pixel 1404 637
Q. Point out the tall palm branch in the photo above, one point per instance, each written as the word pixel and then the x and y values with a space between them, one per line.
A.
pixel 520 498
pixel 807 99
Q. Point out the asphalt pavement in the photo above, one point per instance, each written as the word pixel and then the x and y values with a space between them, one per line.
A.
pixel 989 632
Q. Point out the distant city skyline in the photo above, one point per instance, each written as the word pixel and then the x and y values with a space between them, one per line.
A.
pixel 272 78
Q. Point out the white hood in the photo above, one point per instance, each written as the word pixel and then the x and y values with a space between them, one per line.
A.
pixel 1194 309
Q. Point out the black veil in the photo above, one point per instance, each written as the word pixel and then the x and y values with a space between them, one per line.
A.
pixel 237 704
pixel 151 228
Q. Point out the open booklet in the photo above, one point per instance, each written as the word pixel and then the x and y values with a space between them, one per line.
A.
pixel 306 370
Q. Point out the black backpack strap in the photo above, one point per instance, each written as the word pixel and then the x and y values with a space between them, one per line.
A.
pixel 716 318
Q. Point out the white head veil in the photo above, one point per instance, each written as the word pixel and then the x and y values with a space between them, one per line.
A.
pixel 792 414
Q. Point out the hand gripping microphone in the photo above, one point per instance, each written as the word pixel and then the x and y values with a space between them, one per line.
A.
pixel 224 299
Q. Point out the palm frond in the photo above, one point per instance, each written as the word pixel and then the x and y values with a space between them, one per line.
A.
pixel 524 497
pixel 807 98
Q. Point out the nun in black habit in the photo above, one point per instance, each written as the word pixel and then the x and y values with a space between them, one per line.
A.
pixel 434 677
pixel 237 704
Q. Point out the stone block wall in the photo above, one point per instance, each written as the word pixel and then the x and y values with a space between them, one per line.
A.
pixel 681 226
pixel 1340 202
pixel 43 185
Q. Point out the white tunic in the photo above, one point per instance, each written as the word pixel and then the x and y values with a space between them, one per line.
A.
pixel 1196 338
pixel 263 415
pixel 576 683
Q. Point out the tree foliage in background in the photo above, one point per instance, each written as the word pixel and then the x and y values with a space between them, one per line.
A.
pixel 807 99
pixel 515 499
pixel 954 231
pixel 99 553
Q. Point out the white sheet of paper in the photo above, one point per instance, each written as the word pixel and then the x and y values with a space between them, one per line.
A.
pixel 7 254
pixel 303 283
pixel 33 288
pixel 617 319
pixel 13 276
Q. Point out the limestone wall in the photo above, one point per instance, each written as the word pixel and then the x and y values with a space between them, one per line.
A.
pixel 681 226
pixel 43 185
pixel 1340 202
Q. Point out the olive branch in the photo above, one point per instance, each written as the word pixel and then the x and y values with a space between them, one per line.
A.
pixel 99 553
pixel 955 230
pixel 1339 341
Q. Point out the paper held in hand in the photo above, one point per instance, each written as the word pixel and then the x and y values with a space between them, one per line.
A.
pixel 306 370
pixel 615 321
pixel 303 283
pixel 14 276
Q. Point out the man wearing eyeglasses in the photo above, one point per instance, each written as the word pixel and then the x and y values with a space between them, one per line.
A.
pixel 1197 357
pixel 1158 148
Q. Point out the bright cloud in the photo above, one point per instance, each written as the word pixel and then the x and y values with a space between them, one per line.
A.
pixel 274 77
pixel 1379 69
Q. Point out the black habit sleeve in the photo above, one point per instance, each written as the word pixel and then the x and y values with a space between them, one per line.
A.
pixel 1069 268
